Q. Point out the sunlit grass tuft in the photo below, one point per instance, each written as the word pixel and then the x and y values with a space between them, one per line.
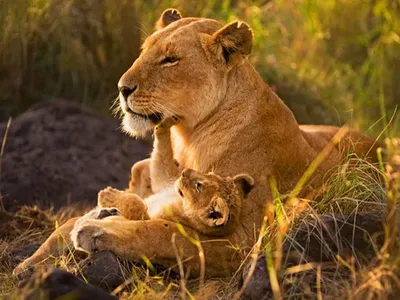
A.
pixel 331 62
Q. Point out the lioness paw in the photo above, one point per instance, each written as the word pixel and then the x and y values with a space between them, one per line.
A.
pixel 24 269
pixel 108 212
pixel 88 236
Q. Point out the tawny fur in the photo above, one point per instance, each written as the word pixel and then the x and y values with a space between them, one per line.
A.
pixel 213 210
pixel 209 203
pixel 231 123
pixel 164 170
pixel 140 182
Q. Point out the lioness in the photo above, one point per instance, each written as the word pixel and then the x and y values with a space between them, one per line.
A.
pixel 231 123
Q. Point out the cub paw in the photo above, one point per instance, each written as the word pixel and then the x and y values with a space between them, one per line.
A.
pixel 108 197
pixel 166 124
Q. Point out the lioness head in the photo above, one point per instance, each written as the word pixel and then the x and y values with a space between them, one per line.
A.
pixel 182 71
pixel 212 198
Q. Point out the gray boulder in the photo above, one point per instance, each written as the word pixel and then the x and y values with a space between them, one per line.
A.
pixel 57 154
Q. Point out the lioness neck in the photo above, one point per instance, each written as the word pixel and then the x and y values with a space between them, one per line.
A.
pixel 245 107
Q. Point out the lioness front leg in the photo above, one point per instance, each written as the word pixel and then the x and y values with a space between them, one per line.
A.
pixel 59 242
pixel 129 204
pixel 159 241
pixel 53 247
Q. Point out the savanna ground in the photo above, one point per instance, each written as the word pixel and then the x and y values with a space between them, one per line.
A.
pixel 333 62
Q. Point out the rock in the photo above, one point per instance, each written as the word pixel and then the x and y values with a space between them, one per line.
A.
pixel 324 237
pixel 58 283
pixel 258 286
pixel 319 239
pixel 19 254
pixel 57 154
pixel 103 269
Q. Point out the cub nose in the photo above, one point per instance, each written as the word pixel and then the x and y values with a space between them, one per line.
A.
pixel 126 91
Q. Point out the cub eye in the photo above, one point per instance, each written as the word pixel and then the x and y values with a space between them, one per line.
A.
pixel 197 185
pixel 170 60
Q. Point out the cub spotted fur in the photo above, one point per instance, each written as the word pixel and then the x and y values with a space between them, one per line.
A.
pixel 209 203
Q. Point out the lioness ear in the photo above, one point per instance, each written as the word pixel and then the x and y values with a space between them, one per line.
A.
pixel 232 43
pixel 244 182
pixel 167 17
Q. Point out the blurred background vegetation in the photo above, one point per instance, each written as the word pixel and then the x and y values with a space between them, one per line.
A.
pixel 331 61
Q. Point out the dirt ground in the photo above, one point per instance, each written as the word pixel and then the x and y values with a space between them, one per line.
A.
pixel 57 154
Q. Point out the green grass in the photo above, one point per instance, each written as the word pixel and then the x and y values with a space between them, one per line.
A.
pixel 333 61
pixel 357 186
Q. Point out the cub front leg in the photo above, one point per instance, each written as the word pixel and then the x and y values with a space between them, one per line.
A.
pixel 140 182
pixel 128 204
pixel 164 169
pixel 91 236
pixel 159 241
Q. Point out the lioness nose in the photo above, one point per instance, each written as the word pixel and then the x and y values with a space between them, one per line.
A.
pixel 126 91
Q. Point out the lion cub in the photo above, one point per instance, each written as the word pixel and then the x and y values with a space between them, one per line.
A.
pixel 209 203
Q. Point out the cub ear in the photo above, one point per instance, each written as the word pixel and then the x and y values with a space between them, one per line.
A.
pixel 231 43
pixel 245 183
pixel 218 212
pixel 167 17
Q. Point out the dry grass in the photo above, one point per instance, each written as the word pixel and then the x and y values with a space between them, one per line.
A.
pixel 354 191
pixel 29 225
pixel 346 276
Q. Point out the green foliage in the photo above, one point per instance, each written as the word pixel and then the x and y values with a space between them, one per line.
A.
pixel 333 61
pixel 355 186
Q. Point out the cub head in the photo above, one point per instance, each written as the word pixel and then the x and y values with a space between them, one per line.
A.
pixel 212 198
pixel 183 70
